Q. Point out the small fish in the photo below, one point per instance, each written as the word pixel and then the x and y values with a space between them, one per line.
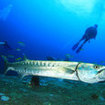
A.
pixel 18 59
pixel 67 57
pixel 102 62
pixel 81 49
pixel 21 43
pixel 10 56
pixel 2 43
pixel 18 49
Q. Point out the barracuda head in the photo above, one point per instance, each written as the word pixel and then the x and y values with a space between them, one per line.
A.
pixel 91 73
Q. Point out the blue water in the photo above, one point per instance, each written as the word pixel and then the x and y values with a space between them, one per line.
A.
pixel 52 27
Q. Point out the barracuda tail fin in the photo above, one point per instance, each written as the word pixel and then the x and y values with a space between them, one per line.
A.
pixel 5 62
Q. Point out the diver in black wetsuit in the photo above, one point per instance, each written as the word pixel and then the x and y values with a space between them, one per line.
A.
pixel 5 44
pixel 90 33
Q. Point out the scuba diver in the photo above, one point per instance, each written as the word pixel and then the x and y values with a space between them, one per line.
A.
pixel 5 44
pixel 90 33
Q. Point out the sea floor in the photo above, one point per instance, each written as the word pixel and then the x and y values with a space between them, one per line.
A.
pixel 51 92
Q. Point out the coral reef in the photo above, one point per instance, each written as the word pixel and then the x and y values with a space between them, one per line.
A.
pixel 50 92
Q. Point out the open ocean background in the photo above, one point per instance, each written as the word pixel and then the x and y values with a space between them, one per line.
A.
pixel 52 27
pixel 49 28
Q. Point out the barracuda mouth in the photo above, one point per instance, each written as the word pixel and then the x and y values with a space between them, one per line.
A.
pixel 100 70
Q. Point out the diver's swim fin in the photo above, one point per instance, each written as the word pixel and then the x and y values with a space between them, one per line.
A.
pixel 75 46
pixel 79 49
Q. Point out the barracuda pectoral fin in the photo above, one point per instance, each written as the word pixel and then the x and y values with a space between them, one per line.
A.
pixel 69 70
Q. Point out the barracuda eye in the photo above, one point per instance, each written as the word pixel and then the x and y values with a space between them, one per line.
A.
pixel 96 67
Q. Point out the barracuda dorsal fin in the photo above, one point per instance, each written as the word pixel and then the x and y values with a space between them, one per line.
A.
pixel 24 57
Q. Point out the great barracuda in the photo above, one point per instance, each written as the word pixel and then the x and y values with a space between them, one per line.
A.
pixel 86 72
